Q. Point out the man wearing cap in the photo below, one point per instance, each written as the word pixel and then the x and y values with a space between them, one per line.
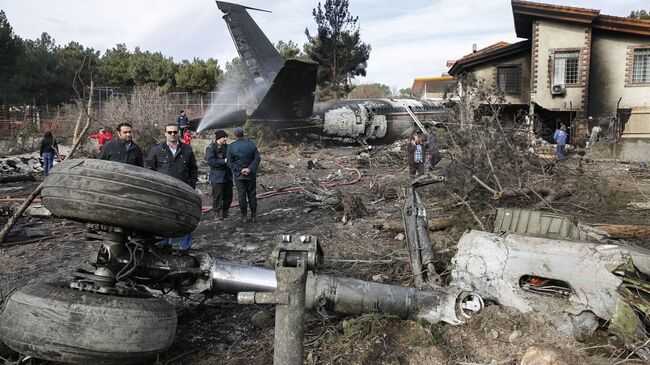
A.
pixel 243 158
pixel 174 158
pixel 183 123
pixel 220 174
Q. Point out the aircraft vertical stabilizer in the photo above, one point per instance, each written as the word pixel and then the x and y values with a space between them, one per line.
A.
pixel 260 58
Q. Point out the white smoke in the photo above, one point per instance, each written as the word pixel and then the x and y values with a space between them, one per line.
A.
pixel 227 98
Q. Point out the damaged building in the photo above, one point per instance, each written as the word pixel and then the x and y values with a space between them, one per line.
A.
pixel 572 64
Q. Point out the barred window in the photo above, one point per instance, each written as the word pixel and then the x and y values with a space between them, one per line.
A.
pixel 566 67
pixel 641 66
pixel 508 79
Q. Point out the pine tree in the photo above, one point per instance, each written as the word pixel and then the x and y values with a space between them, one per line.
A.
pixel 337 47
pixel 10 53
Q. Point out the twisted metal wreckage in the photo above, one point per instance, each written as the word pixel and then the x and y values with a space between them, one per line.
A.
pixel 108 315
pixel 285 96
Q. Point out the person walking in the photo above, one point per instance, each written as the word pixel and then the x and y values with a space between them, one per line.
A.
pixel 123 149
pixel 183 123
pixel 220 174
pixel 102 137
pixel 174 158
pixel 416 156
pixel 243 158
pixel 49 148
pixel 560 137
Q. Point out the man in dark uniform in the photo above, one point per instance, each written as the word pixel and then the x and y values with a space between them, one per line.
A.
pixel 243 158
pixel 123 149
pixel 176 159
pixel 183 123
pixel 220 174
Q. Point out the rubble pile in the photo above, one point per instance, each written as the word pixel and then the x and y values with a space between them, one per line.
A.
pixel 20 165
pixel 357 210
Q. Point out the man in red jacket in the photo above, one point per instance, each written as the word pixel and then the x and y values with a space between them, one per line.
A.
pixel 187 138
pixel 102 137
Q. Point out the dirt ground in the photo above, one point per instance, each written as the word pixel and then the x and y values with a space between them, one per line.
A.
pixel 217 330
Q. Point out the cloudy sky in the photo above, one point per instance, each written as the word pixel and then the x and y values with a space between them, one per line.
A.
pixel 409 38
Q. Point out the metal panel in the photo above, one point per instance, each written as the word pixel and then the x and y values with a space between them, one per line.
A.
pixel 535 223
pixel 638 125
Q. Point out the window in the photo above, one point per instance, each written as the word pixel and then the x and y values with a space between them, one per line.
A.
pixel 565 69
pixel 508 79
pixel 641 66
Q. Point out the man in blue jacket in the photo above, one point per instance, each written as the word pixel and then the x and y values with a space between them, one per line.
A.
pixel 560 137
pixel 243 158
pixel 220 174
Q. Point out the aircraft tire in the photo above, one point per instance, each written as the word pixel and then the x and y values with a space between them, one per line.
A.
pixel 121 195
pixel 54 322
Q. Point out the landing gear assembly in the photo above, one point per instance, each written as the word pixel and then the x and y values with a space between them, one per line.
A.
pixel 108 315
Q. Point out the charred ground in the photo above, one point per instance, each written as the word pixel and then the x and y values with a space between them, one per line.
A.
pixel 217 330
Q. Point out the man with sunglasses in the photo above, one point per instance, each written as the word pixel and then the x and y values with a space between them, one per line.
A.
pixel 175 158
pixel 123 149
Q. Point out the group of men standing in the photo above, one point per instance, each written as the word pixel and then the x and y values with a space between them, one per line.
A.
pixel 236 162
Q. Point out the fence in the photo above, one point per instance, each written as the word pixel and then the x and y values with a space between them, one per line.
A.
pixel 633 123
pixel 45 117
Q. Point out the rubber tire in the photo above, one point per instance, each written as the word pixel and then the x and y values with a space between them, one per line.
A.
pixel 121 195
pixel 53 322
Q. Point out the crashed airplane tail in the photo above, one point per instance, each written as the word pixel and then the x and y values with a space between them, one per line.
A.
pixel 291 97
pixel 262 62
pixel 283 90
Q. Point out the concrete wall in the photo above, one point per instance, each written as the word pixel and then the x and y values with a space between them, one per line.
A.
pixel 608 73
pixel 637 149
pixel 488 73
pixel 550 36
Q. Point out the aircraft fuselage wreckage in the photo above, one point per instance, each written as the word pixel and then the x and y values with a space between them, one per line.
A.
pixel 284 91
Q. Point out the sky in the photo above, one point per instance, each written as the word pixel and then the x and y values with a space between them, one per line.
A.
pixel 409 38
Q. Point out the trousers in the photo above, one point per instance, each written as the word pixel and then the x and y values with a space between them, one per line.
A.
pixel 221 196
pixel 185 242
pixel 247 195
pixel 48 162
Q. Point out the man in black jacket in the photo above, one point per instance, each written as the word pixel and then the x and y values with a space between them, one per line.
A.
pixel 183 123
pixel 176 159
pixel 220 174
pixel 123 149
pixel 243 158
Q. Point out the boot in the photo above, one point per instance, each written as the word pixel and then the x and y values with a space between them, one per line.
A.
pixel 224 214
pixel 253 217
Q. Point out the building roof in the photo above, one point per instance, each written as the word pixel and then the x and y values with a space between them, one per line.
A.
pixel 524 12
pixel 418 83
pixel 488 54
pixel 435 78
pixel 620 24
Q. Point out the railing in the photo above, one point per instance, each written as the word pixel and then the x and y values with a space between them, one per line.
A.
pixel 44 117
pixel 439 96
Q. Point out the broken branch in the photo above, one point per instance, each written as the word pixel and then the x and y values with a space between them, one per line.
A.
pixel 495 194
pixel 469 208
pixel 433 224
pixel 12 221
